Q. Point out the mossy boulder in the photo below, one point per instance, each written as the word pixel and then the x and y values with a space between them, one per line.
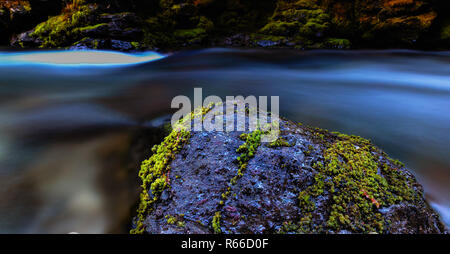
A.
pixel 302 23
pixel 177 24
pixel 83 24
pixel 308 180
pixel 444 33
pixel 60 30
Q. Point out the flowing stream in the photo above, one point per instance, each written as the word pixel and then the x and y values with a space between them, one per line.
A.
pixel 67 129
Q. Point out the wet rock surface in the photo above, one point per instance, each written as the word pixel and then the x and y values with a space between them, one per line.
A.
pixel 200 195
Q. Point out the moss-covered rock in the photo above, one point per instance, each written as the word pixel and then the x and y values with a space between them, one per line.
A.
pixel 309 180
pixel 178 24
pixel 445 33
pixel 302 22
pixel 83 24
pixel 63 29
pixel 382 23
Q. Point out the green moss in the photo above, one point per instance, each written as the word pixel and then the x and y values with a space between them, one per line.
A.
pixel 176 25
pixel 189 34
pixel 305 202
pixel 314 28
pixel 288 227
pixel 61 30
pixel 280 28
pixel 176 220
pixel 85 28
pixel 303 24
pixel 205 24
pixel 216 223
pixel 247 151
pixel 337 43
pixel 301 19
pixel 171 219
pixel 445 33
pixel 280 142
pixel 358 183
pixel 154 173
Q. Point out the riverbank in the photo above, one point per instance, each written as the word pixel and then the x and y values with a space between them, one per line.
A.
pixel 172 25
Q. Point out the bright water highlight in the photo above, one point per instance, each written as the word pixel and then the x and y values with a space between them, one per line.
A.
pixel 66 133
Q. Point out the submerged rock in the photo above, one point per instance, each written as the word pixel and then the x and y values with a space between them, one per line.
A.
pixel 307 181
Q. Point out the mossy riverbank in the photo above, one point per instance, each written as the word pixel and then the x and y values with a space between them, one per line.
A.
pixel 176 24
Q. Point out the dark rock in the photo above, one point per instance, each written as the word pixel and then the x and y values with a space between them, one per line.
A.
pixel 122 26
pixel 289 186
pixel 267 43
pixel 400 215
pixel 237 40
pixel 114 31
pixel 25 40
pixel 89 43
pixel 121 45
pixel 4 25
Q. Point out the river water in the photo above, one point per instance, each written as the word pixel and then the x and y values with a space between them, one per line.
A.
pixel 66 130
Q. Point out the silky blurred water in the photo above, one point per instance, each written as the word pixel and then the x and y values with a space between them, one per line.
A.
pixel 65 129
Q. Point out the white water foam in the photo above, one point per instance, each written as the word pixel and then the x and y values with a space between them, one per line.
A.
pixel 84 58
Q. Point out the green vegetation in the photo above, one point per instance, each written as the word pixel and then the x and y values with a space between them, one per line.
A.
pixel 154 173
pixel 247 151
pixel 445 33
pixel 178 220
pixel 358 184
pixel 301 22
pixel 65 28
pixel 337 43
pixel 176 25
pixel 216 223
pixel 280 142
pixel 171 219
